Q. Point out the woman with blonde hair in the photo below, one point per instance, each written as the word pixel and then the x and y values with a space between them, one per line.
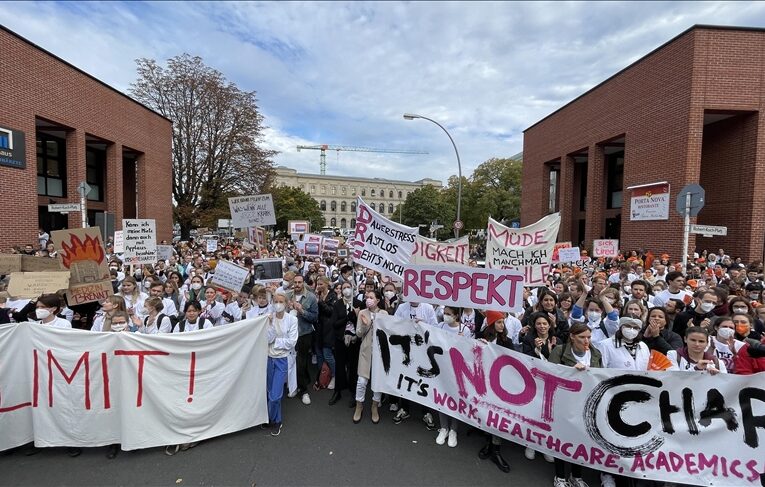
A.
pixel 133 296
pixel 103 319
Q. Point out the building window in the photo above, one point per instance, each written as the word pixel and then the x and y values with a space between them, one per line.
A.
pixel 353 207
pixel 399 195
pixel 95 164
pixel 343 206
pixel 552 203
pixel 372 205
pixel 390 194
pixel 363 191
pixel 390 208
pixel 342 190
pixel 382 194
pixel 353 223
pixel 615 180
pixel 323 205
pixel 372 193
pixel 313 189
pixel 382 208
pixel 323 189
pixel 333 222
pixel 334 189
pixel 353 191
pixel 333 205
pixel 51 166
pixel 343 221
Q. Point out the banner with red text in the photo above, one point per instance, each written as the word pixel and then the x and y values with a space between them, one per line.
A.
pixel 381 244
pixel 682 427
pixel 429 251
pixel 61 387
pixel 528 249
pixel 465 287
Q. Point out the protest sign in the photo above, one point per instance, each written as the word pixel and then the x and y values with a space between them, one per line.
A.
pixel 252 211
pixel 495 289
pixel 381 244
pixel 81 388
pixel 89 293
pixel 9 263
pixel 298 227
pixel 30 263
pixel 429 251
pixel 33 284
pixel 211 245
pixel 164 252
pixel 342 253
pixel 556 249
pixel 229 276
pixel 681 427
pixel 265 270
pixel 649 202
pixel 119 242
pixel 140 241
pixel 569 254
pixel 81 251
pixel 528 249
pixel 311 249
pixel 330 245
pixel 257 236
pixel 605 248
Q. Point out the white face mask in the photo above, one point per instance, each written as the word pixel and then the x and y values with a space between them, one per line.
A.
pixel 740 310
pixel 42 313
pixel 725 333
pixel 146 284
pixel 629 334
pixel 119 326
pixel 594 316
pixel 389 294
pixel 285 284
pixel 196 286
pixel 347 292
pixel 707 307
pixel 449 319
pixel 279 307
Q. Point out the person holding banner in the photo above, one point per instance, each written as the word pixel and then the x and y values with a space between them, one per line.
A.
pixel 626 349
pixel 450 425
pixel 548 303
pixel 364 331
pixel 154 322
pixel 694 355
pixel 212 309
pixel 192 320
pixel 580 354
pixel 47 308
pixel 260 304
pixel 133 297
pixel 282 337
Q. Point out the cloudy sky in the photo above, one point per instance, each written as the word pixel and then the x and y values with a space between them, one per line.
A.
pixel 344 73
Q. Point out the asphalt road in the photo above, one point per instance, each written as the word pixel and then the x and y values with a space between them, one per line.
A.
pixel 319 446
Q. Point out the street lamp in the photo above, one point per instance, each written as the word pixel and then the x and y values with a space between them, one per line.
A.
pixel 412 116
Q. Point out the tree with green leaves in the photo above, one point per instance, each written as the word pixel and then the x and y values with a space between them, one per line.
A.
pixel 295 204
pixel 425 204
pixel 217 135
pixel 496 185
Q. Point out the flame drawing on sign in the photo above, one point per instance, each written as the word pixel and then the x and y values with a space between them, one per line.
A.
pixel 78 250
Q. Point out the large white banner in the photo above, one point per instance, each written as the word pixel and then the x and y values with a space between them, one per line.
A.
pixel 63 387
pixel 470 287
pixel 673 426
pixel 528 249
pixel 381 244
pixel 429 251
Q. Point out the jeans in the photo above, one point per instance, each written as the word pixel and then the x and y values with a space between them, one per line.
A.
pixel 325 354
pixel 560 469
pixel 361 390
pixel 303 349
pixel 276 377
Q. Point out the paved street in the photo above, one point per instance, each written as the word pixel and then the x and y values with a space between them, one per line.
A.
pixel 319 445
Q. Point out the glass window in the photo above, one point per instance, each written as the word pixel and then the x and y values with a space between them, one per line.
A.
pixel 343 222
pixel 353 206
pixel 333 222
pixel 399 195
pixel 382 193
pixel 323 189
pixel 353 223
pixel 372 193
pixel 343 206
pixel 382 208
pixel 372 205
pixel 363 191
pixel 334 189
pixel 552 203
pixel 353 191
pixel 51 166
pixel 390 208
pixel 313 189
pixel 333 205
pixel 615 179
pixel 342 190
pixel 323 205
pixel 95 164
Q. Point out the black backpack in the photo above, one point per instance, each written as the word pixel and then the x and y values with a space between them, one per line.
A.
pixel 160 317
pixel 182 324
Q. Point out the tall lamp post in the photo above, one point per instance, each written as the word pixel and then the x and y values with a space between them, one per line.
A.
pixel 412 116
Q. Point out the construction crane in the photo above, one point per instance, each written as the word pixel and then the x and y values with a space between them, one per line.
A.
pixel 325 147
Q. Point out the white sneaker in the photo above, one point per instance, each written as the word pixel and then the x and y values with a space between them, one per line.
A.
pixel 607 480
pixel 559 482
pixel 452 439
pixel 529 453
pixel 331 384
pixel 292 394
pixel 548 458
pixel 577 482
pixel 442 434
pixel 306 399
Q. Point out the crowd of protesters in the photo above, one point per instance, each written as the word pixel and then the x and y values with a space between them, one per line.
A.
pixel 611 313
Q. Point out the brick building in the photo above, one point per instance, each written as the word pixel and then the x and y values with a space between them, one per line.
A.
pixel 688 112
pixel 59 126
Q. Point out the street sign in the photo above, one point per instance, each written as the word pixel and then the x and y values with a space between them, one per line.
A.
pixel 697 199
pixel 64 207
pixel 458 225
pixel 709 230
pixel 83 189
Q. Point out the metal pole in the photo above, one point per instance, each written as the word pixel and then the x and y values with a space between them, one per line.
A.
pixel 83 209
pixel 686 231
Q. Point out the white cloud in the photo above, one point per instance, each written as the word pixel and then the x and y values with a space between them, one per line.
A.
pixel 343 73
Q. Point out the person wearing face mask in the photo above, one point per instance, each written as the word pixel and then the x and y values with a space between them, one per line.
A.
pixel 742 323
pixel 46 309
pixel 390 298
pixel 364 327
pixel 625 350
pixel 701 315
pixel 115 266
pixel 602 326
pixel 282 337
pixel 723 344
pixel 109 306
pixel 346 345
pixel 195 291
